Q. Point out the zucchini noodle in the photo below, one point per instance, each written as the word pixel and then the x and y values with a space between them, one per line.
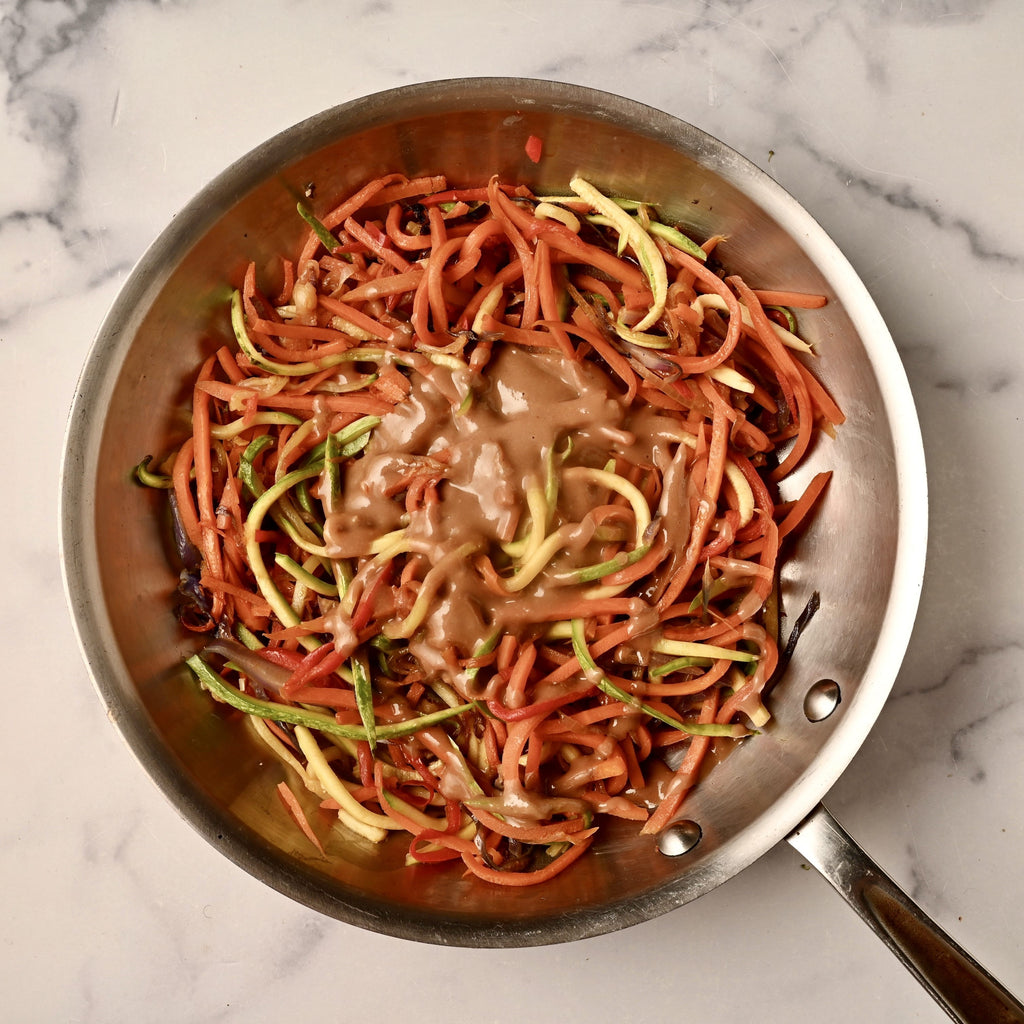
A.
pixel 480 516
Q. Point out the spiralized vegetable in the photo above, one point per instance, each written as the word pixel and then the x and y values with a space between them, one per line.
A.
pixel 479 513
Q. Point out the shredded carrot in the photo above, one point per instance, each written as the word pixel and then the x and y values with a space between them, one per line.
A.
pixel 414 187
pixel 798 300
pixel 802 507
pixel 291 802
pixel 523 878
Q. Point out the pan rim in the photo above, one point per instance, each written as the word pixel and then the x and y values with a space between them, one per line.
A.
pixel 76 503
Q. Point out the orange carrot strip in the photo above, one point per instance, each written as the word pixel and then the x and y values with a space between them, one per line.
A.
pixel 288 283
pixel 528 337
pixel 413 187
pixel 341 343
pixel 539 709
pixel 705 509
pixel 420 317
pixel 507 214
pixel 787 365
pixel 472 248
pixel 202 458
pixel 689 686
pixel 767 660
pixel 291 802
pixel 804 504
pixel 452 846
pixel 356 402
pixel 588 769
pixel 439 256
pixel 515 689
pixel 509 273
pixel 535 751
pixel 181 475
pixel 617 362
pixel 381 287
pixel 523 878
pixel 254 601
pixel 229 364
pixel 300 332
pixel 391 386
pixel 571 246
pixel 357 317
pixel 401 238
pixel 602 712
pixel 633 770
pixel 548 298
pixel 798 300
pixel 571 665
pixel 464 195
pixel 359 199
pixel 686 774
pixel 589 283
pixel 714 284
pixel 492 742
pixel 376 245
pixel 506 653
pixel 553 832
pixel 822 399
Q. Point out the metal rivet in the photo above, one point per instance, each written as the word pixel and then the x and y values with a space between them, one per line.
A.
pixel 821 700
pixel 679 838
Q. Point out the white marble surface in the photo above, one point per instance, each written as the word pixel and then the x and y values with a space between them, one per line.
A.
pixel 899 125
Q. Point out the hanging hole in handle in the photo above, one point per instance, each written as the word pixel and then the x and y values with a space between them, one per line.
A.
pixel 822 699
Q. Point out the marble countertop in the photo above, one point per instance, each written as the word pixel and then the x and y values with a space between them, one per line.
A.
pixel 898 125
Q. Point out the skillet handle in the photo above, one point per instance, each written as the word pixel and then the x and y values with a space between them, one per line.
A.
pixel 960 985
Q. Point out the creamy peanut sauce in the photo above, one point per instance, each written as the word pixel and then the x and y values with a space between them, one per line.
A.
pixel 529 410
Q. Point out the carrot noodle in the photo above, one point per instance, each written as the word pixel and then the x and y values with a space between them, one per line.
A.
pixel 796 300
pixel 291 802
pixel 803 506
pixel 474 551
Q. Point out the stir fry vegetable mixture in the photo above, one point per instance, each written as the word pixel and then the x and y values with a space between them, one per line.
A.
pixel 479 515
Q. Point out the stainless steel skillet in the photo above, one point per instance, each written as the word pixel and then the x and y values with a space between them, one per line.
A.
pixel 864 554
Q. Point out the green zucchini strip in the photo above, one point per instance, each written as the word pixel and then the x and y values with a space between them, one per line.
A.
pixel 605 685
pixel 217 685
